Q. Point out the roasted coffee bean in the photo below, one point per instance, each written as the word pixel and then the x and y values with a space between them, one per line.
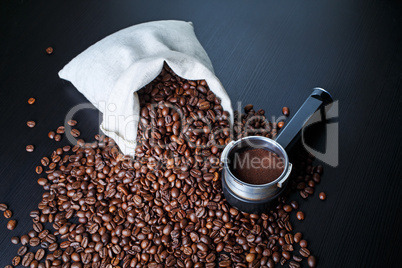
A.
pixel 8 214
pixel 311 261
pixel 303 243
pixel 22 250
pixel 298 237
pixel 16 261
pixel 30 148
pixel 27 259
pixel 294 204
pixel 294 264
pixel 51 135
pixel 34 241
pixel 304 252
pixel 57 137
pixel 15 240
pixel 24 240
pixel 75 132
pixel 49 50
pixel 300 215
pixel 31 100
pixel 281 124
pixel 38 227
pixel 40 254
pixel 38 169
pixel 322 196
pixel 11 224
pixel 285 111
pixel 60 130
pixel 3 207
pixel 72 122
pixel 31 124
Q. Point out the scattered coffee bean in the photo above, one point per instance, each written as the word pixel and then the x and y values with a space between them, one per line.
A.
pixel 15 240
pixel 312 261
pixel 22 250
pixel 72 123
pixel 51 135
pixel 27 259
pixel 322 196
pixel 3 207
pixel 300 215
pixel 30 148
pixel 57 137
pixel 75 132
pixel 285 111
pixel 304 252
pixel 49 50
pixel 40 254
pixel 281 124
pixel 60 130
pixel 38 169
pixel 303 243
pixel 11 224
pixel 8 214
pixel 24 240
pixel 16 261
pixel 31 100
pixel 31 124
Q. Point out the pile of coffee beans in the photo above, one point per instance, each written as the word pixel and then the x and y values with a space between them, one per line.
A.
pixel 164 207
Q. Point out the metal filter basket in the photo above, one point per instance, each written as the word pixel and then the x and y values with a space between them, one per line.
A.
pixel 256 198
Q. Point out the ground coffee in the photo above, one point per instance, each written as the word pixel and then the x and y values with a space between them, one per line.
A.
pixel 257 166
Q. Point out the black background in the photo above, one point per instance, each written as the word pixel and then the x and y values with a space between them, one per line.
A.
pixel 268 53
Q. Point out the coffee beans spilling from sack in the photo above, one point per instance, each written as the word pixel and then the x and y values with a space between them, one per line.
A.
pixel 165 207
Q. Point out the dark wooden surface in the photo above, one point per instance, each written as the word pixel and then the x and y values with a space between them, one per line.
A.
pixel 268 53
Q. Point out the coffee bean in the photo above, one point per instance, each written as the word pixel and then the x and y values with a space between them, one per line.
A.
pixel 38 169
pixel 57 137
pixel 294 204
pixel 303 243
pixel 11 224
pixel 49 50
pixel 300 215
pixel 294 264
pixel 248 108
pixel 22 250
pixel 3 207
pixel 38 227
pixel 30 148
pixel 27 259
pixel 31 100
pixel 285 111
pixel 16 261
pixel 298 237
pixel 281 124
pixel 322 196
pixel 8 214
pixel 60 130
pixel 75 133
pixel 304 252
pixel 8 266
pixel 40 254
pixel 72 122
pixel 24 240
pixel 311 261
pixel 15 240
pixel 34 241
pixel 51 135
pixel 31 124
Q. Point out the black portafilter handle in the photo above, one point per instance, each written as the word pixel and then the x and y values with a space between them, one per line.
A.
pixel 290 133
